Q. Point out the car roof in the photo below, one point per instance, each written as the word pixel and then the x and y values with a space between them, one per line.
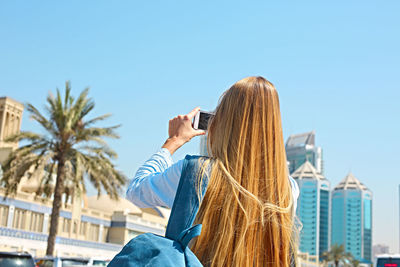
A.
pixel 63 258
pixel 388 256
pixel 15 253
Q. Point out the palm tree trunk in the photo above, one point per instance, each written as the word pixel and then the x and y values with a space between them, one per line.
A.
pixel 57 201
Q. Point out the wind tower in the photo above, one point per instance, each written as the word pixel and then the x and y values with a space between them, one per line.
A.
pixel 10 124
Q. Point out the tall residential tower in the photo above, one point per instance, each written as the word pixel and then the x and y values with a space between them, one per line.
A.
pixel 313 209
pixel 352 218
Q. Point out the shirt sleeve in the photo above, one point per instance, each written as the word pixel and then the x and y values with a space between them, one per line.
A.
pixel 156 181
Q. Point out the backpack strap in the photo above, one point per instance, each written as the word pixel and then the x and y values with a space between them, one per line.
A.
pixel 186 235
pixel 186 202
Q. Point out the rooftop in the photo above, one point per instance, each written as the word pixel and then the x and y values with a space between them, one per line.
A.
pixel 308 171
pixel 350 182
pixel 301 139
pixel 9 100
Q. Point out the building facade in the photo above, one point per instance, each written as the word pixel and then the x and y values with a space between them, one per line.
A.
pixel 301 148
pixel 88 226
pixel 10 124
pixel 97 227
pixel 313 210
pixel 352 218
pixel 307 260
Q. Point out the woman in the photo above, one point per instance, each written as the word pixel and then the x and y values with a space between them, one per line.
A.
pixel 248 210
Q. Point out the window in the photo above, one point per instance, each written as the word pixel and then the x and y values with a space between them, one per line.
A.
pixel 94 232
pixel 36 224
pixel 74 262
pixel 74 228
pixel 19 218
pixel 82 228
pixel 66 225
pixel 105 234
pixel 9 259
pixel 3 215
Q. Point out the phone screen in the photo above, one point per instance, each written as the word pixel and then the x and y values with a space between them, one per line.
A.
pixel 204 119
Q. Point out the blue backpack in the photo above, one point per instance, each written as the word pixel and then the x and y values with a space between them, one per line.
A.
pixel 172 250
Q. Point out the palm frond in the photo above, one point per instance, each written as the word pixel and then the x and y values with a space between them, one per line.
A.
pixel 37 116
pixel 47 182
pixel 97 119
pixel 99 132
pixel 56 110
pixel 25 136
pixel 103 174
pixel 101 151
pixel 83 104
pixel 16 169
pixel 68 99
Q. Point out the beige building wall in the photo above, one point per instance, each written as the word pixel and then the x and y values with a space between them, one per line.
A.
pixel 118 235
pixel 75 223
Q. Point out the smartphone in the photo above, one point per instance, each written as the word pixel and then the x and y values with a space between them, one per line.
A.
pixel 200 121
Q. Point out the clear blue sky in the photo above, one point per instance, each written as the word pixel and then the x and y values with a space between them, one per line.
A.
pixel 335 65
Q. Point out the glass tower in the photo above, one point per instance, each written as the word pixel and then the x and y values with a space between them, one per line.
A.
pixel 301 148
pixel 313 209
pixel 352 218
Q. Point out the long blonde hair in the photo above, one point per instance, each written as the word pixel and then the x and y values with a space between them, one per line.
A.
pixel 247 210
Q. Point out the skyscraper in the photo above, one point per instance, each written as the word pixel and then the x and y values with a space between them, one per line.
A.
pixel 313 209
pixel 352 217
pixel 301 148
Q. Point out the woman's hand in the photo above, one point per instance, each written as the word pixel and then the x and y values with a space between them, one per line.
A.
pixel 181 131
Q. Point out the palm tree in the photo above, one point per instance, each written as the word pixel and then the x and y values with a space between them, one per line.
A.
pixel 337 254
pixel 71 149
